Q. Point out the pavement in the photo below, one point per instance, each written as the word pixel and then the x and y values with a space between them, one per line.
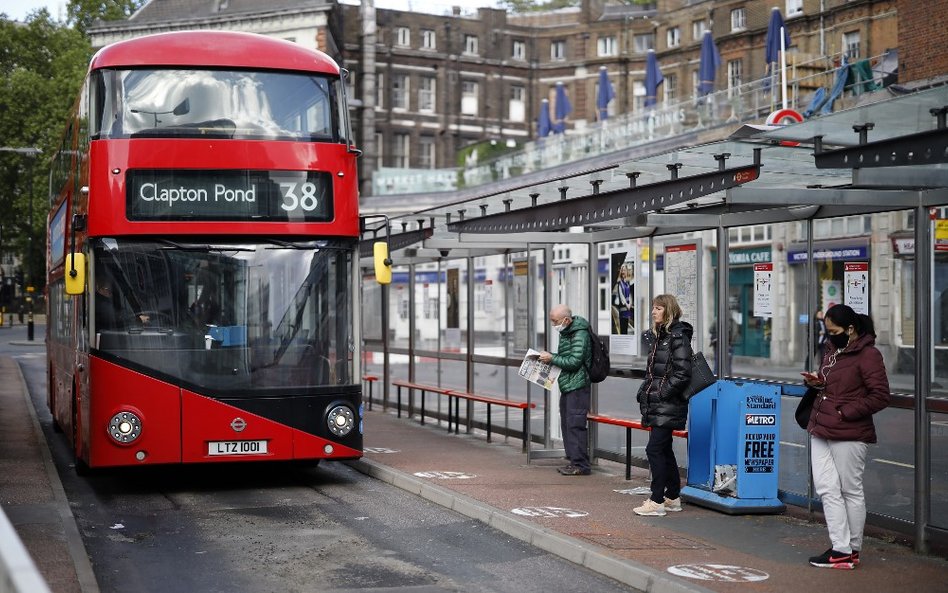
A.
pixel 585 519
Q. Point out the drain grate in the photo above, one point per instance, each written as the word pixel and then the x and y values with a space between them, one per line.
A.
pixel 618 542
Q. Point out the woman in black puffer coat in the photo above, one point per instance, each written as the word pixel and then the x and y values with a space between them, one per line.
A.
pixel 662 402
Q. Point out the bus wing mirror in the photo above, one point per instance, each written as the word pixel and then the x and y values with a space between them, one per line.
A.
pixel 183 108
pixel 383 265
pixel 75 273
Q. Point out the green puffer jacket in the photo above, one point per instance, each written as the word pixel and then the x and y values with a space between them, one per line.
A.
pixel 574 355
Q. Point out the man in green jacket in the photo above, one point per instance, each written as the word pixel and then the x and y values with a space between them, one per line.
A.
pixel 574 354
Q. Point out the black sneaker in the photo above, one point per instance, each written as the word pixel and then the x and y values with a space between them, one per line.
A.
pixel 833 559
pixel 575 471
pixel 565 468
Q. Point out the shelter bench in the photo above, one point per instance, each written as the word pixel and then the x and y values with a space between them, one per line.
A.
pixel 628 425
pixel 370 380
pixel 525 407
pixel 423 388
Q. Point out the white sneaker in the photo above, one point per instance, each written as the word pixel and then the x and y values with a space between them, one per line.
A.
pixel 650 508
pixel 672 505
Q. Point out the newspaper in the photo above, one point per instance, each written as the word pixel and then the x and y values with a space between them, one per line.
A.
pixel 541 373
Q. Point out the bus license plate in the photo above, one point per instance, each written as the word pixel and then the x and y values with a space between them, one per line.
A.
pixel 237 448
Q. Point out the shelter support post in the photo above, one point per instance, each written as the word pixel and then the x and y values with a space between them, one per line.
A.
pixel 923 368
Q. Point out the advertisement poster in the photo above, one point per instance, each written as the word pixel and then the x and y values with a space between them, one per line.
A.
pixel 622 330
pixel 856 277
pixel 521 306
pixel 681 271
pixel 831 293
pixel 452 331
pixel 763 290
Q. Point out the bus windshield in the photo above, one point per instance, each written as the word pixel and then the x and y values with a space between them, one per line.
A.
pixel 226 317
pixel 187 103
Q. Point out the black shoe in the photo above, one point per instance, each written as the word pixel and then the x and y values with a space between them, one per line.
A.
pixel 833 559
pixel 856 557
pixel 575 471
pixel 567 467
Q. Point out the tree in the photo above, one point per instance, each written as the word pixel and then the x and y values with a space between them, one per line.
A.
pixel 83 13
pixel 523 6
pixel 42 64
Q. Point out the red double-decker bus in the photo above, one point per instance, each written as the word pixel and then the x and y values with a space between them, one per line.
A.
pixel 203 256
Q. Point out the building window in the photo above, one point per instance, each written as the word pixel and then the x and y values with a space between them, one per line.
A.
pixel 670 88
pixel 750 234
pixel 643 43
pixel 470 45
pixel 735 71
pixel 697 29
pixel 673 37
pixel 851 45
pixel 428 39
pixel 517 109
pixel 738 19
pixel 426 94
pixel 400 91
pixel 379 150
pixel 794 8
pixel 379 90
pixel 426 152
pixel 469 98
pixel 519 50
pixel 558 51
pixel 638 96
pixel 694 84
pixel 608 47
pixel 403 37
pixel 400 151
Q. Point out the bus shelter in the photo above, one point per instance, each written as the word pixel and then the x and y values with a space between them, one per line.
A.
pixel 753 234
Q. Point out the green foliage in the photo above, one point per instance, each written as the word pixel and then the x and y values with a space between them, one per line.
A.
pixel 523 6
pixel 42 64
pixel 83 13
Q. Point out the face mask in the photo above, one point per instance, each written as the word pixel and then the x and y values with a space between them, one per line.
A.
pixel 839 340
pixel 559 328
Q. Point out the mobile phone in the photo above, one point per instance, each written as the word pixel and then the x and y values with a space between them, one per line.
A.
pixel 810 376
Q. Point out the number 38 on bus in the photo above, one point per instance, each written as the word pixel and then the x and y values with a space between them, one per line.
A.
pixel 203 256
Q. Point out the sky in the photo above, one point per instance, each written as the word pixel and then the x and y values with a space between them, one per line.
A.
pixel 19 9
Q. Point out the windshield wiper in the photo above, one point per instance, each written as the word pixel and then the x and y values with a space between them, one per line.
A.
pixel 203 248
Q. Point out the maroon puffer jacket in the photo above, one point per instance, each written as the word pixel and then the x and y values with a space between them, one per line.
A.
pixel 856 387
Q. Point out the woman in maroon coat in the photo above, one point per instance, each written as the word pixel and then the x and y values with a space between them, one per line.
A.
pixel 852 386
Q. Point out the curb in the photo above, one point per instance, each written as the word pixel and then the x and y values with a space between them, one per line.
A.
pixel 77 550
pixel 642 578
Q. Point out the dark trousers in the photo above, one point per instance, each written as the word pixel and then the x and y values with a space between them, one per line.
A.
pixel 574 405
pixel 666 483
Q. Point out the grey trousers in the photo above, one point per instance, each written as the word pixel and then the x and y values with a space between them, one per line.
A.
pixel 838 468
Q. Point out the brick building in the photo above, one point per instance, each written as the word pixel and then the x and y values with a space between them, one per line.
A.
pixel 443 83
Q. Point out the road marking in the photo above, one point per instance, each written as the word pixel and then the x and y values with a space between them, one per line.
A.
pixel 436 475
pixel 548 512
pixel 719 572
pixel 907 465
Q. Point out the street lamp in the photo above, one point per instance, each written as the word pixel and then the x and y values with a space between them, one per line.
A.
pixel 31 152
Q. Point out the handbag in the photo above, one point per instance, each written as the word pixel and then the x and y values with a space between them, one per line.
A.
pixel 701 376
pixel 802 415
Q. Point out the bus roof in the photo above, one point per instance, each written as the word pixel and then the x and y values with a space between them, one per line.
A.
pixel 213 49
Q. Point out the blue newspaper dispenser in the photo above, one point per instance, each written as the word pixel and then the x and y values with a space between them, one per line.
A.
pixel 737 424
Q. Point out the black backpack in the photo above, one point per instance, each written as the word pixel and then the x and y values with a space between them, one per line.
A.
pixel 598 368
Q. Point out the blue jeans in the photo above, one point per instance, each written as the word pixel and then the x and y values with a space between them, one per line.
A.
pixel 574 405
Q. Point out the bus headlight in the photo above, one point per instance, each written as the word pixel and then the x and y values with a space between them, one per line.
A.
pixel 125 427
pixel 341 420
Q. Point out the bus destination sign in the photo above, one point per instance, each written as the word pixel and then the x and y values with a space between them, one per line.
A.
pixel 274 196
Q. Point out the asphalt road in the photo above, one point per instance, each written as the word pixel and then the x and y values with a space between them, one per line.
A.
pixel 284 527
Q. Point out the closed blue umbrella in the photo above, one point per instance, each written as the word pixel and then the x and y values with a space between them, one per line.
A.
pixel 605 94
pixel 708 66
pixel 772 41
pixel 653 78
pixel 543 121
pixel 561 110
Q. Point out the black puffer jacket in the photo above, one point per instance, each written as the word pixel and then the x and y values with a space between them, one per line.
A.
pixel 667 376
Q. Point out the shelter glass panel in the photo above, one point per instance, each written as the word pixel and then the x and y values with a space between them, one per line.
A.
pixel 454 306
pixel 939 471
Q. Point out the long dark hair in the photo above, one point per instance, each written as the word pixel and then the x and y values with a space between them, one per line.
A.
pixel 844 316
